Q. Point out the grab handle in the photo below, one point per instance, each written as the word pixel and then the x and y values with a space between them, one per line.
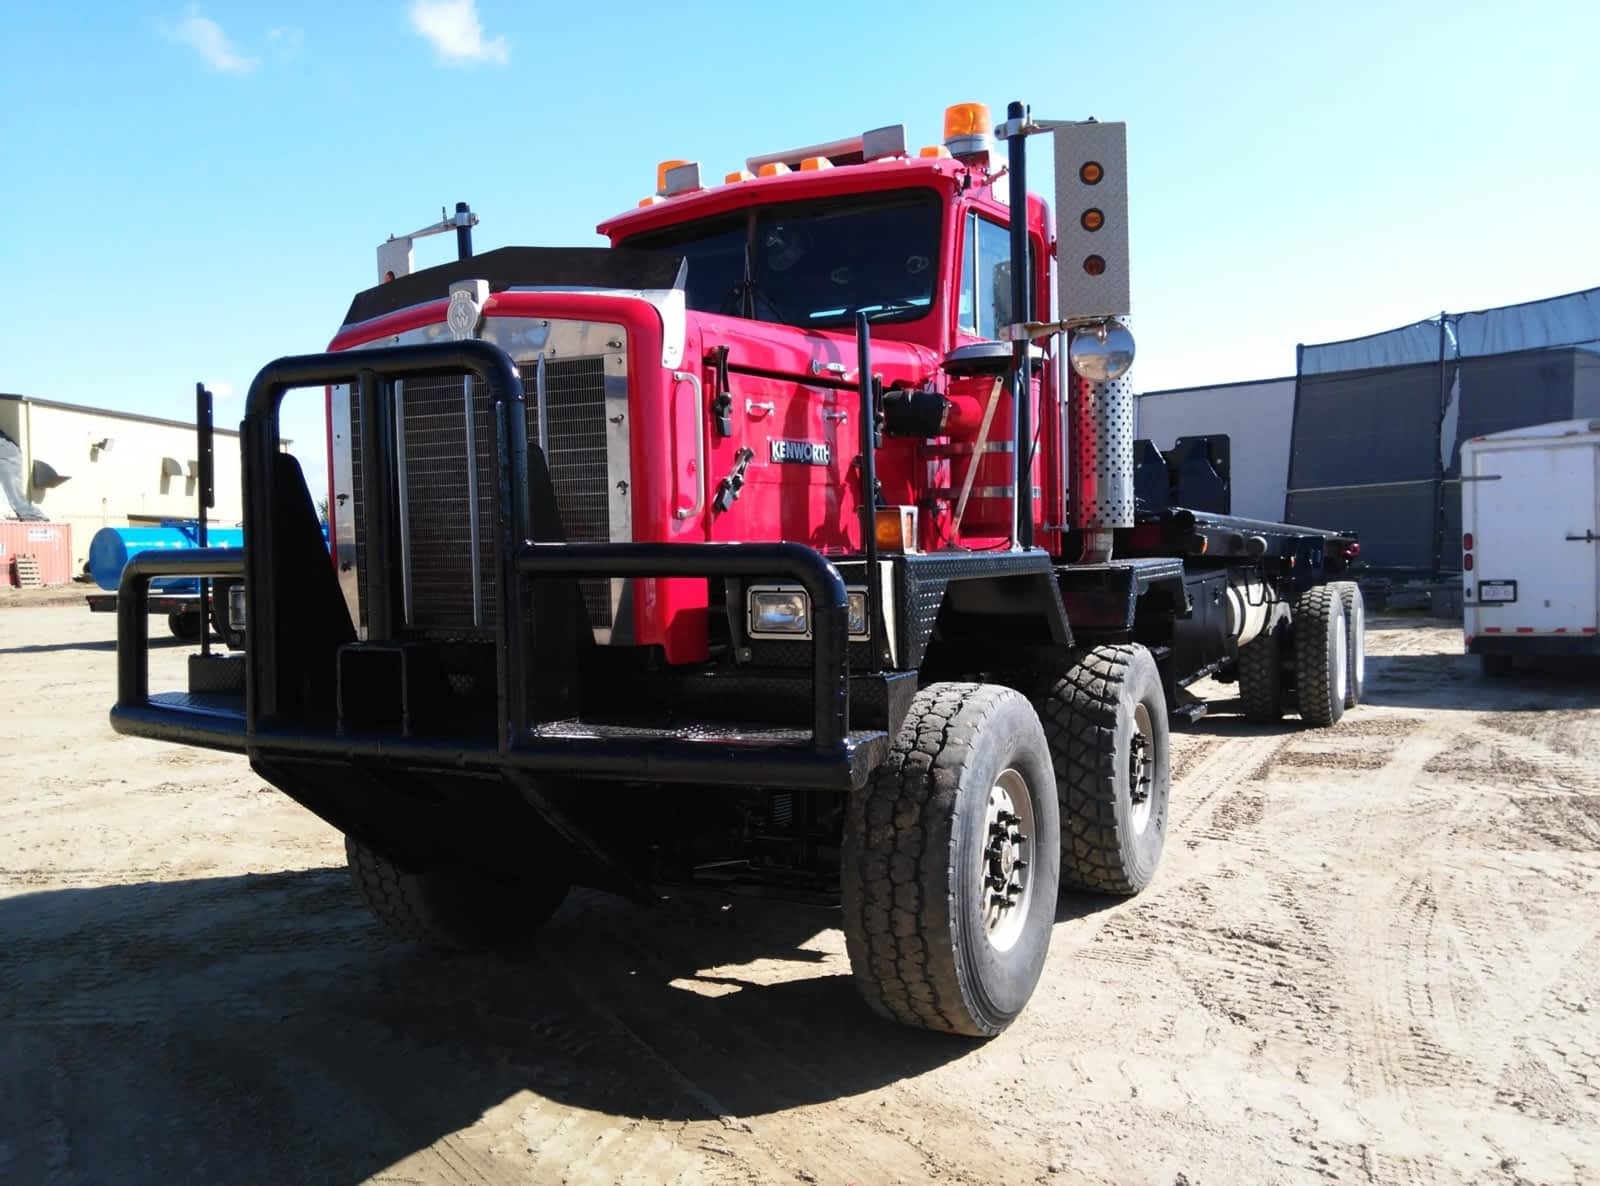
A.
pixel 694 511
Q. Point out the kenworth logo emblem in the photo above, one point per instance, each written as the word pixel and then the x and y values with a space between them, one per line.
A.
pixel 801 452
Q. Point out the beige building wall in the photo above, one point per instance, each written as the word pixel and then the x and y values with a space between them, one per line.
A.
pixel 121 468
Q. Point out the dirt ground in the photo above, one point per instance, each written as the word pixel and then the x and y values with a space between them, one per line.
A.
pixel 1370 956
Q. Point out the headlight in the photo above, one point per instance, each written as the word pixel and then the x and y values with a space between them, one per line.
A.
pixel 784 611
pixel 858 613
pixel 779 612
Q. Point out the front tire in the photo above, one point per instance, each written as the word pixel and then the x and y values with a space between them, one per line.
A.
pixel 951 863
pixel 1106 719
pixel 186 625
pixel 451 910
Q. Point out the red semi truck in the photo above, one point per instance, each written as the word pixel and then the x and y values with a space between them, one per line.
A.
pixel 795 540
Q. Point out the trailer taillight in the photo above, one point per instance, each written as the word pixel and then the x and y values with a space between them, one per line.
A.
pixel 1466 562
pixel 1466 542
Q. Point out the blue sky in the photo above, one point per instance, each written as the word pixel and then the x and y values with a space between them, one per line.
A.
pixel 195 189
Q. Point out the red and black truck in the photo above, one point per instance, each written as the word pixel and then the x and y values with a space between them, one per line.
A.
pixel 796 540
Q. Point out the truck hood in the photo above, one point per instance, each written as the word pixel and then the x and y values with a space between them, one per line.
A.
pixel 547 268
pixel 805 355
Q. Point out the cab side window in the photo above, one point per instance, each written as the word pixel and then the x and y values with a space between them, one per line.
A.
pixel 985 277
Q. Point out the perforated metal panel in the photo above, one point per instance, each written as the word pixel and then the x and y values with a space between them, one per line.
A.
pixel 1102 454
pixel 1081 292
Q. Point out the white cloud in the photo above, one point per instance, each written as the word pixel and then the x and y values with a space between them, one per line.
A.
pixel 453 29
pixel 287 39
pixel 216 49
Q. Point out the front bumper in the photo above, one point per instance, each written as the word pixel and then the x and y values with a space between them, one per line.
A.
pixel 541 729
pixel 1550 646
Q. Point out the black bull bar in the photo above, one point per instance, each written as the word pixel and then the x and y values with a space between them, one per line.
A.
pixel 282 714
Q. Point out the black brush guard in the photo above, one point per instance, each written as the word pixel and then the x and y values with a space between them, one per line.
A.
pixel 298 625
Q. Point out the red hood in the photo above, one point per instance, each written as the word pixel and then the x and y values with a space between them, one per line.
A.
pixel 806 354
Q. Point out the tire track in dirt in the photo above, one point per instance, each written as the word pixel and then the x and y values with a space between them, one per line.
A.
pixel 1452 970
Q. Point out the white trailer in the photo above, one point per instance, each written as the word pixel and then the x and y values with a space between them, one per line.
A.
pixel 1530 542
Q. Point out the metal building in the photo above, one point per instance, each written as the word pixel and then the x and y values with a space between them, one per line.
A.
pixel 93 467
pixel 1256 415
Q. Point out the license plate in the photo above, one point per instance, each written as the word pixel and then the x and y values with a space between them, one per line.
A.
pixel 1497 591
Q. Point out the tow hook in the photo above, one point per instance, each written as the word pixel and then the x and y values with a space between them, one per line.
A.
pixel 729 489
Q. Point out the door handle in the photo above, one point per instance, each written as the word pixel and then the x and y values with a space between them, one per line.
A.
pixel 1588 537
pixel 831 414
pixel 763 407
pixel 691 512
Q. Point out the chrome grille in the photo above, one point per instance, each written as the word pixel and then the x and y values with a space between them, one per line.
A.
pixel 437 514
pixel 575 420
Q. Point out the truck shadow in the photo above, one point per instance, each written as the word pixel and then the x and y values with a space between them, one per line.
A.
pixel 94 644
pixel 1447 681
pixel 260 1028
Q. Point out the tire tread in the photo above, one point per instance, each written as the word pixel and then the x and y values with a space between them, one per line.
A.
pixel 890 933
pixel 1313 659
pixel 1080 722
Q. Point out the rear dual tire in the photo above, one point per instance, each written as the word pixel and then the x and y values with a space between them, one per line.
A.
pixel 1322 655
pixel 1106 721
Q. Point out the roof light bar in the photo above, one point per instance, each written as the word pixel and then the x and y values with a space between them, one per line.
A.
pixel 874 145
pixel 681 178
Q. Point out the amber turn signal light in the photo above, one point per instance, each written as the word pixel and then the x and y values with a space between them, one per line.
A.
pixel 895 528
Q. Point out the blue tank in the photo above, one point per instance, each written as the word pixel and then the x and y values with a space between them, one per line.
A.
pixel 112 548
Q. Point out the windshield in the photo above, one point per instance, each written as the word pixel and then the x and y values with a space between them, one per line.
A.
pixel 813 264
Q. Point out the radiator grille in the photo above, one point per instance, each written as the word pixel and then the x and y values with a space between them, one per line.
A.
pixel 437 492
pixel 575 395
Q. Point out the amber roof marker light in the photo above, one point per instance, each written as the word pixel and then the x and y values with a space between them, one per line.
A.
pixel 966 130
pixel 1091 173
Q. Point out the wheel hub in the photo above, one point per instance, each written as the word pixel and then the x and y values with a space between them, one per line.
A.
pixel 1005 867
pixel 1141 767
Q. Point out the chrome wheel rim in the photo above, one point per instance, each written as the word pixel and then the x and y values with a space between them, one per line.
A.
pixel 1141 767
pixel 1341 657
pixel 1358 648
pixel 1005 867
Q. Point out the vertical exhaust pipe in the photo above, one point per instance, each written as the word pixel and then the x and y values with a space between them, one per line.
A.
pixel 1021 314
pixel 1100 470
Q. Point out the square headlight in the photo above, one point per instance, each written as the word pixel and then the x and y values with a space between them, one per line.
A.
pixel 236 611
pixel 858 613
pixel 781 612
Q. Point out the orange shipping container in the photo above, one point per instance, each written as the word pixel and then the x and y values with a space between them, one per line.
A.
pixel 48 543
